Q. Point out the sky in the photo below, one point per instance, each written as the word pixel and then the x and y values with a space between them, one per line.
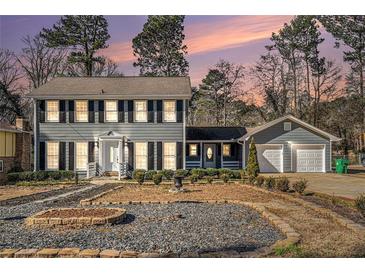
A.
pixel 238 39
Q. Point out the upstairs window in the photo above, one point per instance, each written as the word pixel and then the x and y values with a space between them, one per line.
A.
pixel 140 111
pixel 53 113
pixel 111 111
pixel 169 112
pixel 227 150
pixel 81 111
pixel 52 155
pixel 169 156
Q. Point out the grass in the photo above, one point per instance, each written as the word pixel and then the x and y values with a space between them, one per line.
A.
pixel 289 250
pixel 48 183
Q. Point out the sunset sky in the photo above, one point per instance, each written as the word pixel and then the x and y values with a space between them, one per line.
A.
pixel 239 39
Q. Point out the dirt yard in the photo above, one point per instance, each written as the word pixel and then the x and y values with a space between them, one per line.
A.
pixel 9 192
pixel 321 236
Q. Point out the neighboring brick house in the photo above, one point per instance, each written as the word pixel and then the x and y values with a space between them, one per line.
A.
pixel 15 147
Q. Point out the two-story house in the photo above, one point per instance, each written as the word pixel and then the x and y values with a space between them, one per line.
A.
pixel 113 125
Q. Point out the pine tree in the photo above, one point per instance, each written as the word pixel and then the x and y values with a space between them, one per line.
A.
pixel 253 168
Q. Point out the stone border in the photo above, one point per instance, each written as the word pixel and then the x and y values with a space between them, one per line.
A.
pixel 357 228
pixel 292 238
pixel 37 221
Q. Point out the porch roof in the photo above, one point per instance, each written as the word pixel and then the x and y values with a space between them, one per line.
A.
pixel 214 133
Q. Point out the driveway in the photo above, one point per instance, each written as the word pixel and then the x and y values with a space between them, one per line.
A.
pixel 342 185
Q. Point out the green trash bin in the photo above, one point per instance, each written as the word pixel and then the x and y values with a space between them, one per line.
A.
pixel 342 165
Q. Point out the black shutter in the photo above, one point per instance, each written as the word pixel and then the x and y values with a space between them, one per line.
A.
pixel 151 112
pixel 159 155
pixel 71 109
pixel 130 111
pixel 179 111
pixel 91 151
pixel 131 155
pixel 71 155
pixel 101 111
pixel 42 111
pixel 62 111
pixel 91 105
pixel 151 158
pixel 198 150
pixel 62 156
pixel 179 155
pixel 159 111
pixel 121 111
pixel 42 155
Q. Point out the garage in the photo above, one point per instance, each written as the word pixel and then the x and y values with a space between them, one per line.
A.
pixel 310 158
pixel 270 158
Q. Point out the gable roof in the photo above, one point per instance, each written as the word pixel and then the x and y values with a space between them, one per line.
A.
pixel 128 87
pixel 214 133
pixel 294 119
pixel 6 127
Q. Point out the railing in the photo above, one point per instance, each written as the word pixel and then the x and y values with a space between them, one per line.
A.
pixel 231 164
pixel 124 170
pixel 91 170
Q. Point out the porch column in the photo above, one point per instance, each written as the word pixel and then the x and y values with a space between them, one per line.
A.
pixel 201 154
pixel 101 164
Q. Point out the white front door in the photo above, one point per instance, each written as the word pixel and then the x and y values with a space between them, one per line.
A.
pixel 310 160
pixel 111 153
pixel 270 158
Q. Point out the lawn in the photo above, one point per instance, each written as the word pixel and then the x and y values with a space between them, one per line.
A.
pixel 9 192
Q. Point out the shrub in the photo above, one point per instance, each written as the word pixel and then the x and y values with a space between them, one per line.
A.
pixel 282 184
pixel 242 173
pixel 222 171
pixel 259 181
pixel 236 174
pixel 360 204
pixel 157 178
pixel 139 177
pixel 193 178
pixel 252 164
pixel 167 174
pixel 137 171
pixel 200 172
pixel 251 180
pixel 211 172
pixel 300 186
pixel 209 179
pixel 269 182
pixel 40 176
pixel 181 172
pixel 225 177
pixel 149 174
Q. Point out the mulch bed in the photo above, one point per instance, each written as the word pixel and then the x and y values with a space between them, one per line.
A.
pixel 78 212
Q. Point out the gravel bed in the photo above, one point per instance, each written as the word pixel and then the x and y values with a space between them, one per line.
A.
pixel 181 227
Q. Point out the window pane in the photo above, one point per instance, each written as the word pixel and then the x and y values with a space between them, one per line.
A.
pixel 193 150
pixel 170 111
pixel 52 155
pixel 226 150
pixel 141 156
pixel 111 113
pixel 81 155
pixel 140 111
pixel 169 151
pixel 81 111
pixel 52 111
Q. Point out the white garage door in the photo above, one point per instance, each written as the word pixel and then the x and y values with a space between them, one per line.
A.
pixel 310 160
pixel 270 158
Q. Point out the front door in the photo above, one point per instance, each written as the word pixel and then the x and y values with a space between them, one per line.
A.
pixel 111 156
pixel 210 158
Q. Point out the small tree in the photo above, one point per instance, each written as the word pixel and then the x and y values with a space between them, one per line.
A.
pixel 252 165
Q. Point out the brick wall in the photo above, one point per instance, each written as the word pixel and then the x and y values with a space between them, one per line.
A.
pixel 8 164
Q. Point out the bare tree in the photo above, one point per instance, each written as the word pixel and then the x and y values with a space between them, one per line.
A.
pixel 106 68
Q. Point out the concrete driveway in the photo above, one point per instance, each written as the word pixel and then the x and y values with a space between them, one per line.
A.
pixel 342 185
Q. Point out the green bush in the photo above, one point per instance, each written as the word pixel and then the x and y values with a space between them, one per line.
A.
pixel 228 171
pixel 181 173
pixel 251 180
pixel 253 168
pixel 167 174
pixel 211 172
pixel 193 178
pixel 139 177
pixel 137 171
pixel 282 184
pixel 300 186
pixel 200 172
pixel 225 177
pixel 149 174
pixel 260 181
pixel 209 179
pixel 242 173
pixel 360 204
pixel 236 174
pixel 157 178
pixel 269 182
pixel 40 176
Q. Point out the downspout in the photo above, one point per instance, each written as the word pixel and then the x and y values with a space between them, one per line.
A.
pixel 35 134
pixel 184 135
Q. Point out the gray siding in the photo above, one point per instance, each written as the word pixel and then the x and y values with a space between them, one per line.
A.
pixel 298 135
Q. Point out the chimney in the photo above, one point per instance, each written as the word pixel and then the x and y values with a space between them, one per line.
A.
pixel 22 124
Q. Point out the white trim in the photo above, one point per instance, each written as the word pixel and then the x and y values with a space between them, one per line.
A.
pixel 35 134
pixel 46 111
pixel 163 153
pixel 105 110
pixel 184 135
pixel 330 163
pixel 87 111
pixel 135 150
pixel 163 110
pixel 46 158
pixel 296 156
pixel 87 155
pixel 281 154
pixel 134 111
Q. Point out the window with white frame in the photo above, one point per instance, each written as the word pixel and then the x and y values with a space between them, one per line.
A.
pixel 141 155
pixel 140 107
pixel 169 111
pixel 193 150
pixel 169 156
pixel 1 166
pixel 81 155
pixel 287 126
pixel 111 111
pixel 81 111
pixel 227 150
pixel 53 113
pixel 52 155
